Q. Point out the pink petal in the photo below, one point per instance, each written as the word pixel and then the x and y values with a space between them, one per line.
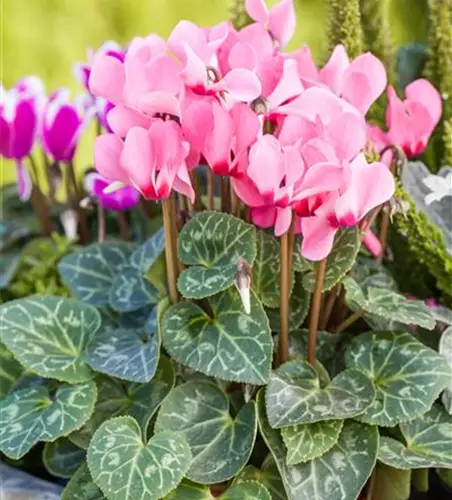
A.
pixel 186 32
pixel 139 161
pixel 197 122
pixel 318 237
pixel 107 153
pixel 293 165
pixel 257 10
pixel 283 220
pixel 5 138
pixel 242 55
pixel 122 118
pixel 218 144
pixel 242 84
pixel 24 129
pixel 364 81
pixel 264 216
pixel 246 125
pixel 282 22
pixel 266 168
pixel 194 72
pixel 372 243
pixel 307 68
pixel 318 150
pixel 288 87
pixel 159 101
pixel 165 74
pixel 423 92
pixel 247 191
pixel 348 134
pixel 321 178
pixel 332 73
pixel 107 78
pixel 182 183
pixel 295 128
pixel 24 183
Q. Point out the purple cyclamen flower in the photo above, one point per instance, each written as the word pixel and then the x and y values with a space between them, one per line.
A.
pixel 20 110
pixel 123 199
pixel 62 125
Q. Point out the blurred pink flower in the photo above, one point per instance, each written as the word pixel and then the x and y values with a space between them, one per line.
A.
pixel 122 199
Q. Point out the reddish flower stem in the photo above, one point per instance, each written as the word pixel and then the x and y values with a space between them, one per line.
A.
pixel 315 310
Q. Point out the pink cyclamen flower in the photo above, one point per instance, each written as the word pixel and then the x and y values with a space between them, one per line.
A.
pixel 280 20
pixel 359 82
pixel 411 122
pixel 62 125
pixel 277 178
pixel 151 160
pixel 122 199
pixel 366 187
pixel 20 110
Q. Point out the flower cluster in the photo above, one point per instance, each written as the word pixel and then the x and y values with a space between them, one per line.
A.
pixel 290 136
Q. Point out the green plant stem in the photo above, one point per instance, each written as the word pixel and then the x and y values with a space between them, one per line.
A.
pixel 38 202
pixel 74 198
pixel 283 353
pixel 383 235
pixel 315 310
pixel 210 189
pixel 124 230
pixel 171 265
pixel 235 202
pixel 196 187
pixel 349 321
pixel 101 230
pixel 225 195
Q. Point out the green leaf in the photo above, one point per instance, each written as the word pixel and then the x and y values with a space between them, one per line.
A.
pixel 407 375
pixel 298 309
pixel 340 260
pixel 369 273
pixel 10 371
pixel 126 468
pixel 445 350
pixel 213 242
pixel 340 474
pixel 221 445
pixel 127 353
pixel 11 234
pixel 391 484
pixel 266 270
pixel 49 334
pixel 307 441
pixel 62 458
pixel 250 490
pixel 428 442
pixel 90 272
pixel 232 345
pixel 31 415
pixel 124 398
pixel 295 395
pixel 388 305
pixel 268 475
pixel 82 487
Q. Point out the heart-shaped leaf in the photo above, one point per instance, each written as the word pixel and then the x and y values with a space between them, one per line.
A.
pixel 90 272
pixel 82 487
pixel 307 441
pixel 266 270
pixel 340 474
pixel 31 415
pixel 221 445
pixel 340 260
pixel 124 398
pixel 127 353
pixel 10 371
pixel 295 395
pixel 298 309
pixel 388 305
pixel 62 458
pixel 445 349
pixel 249 490
pixel 232 345
pixel 408 376
pixel 213 243
pixel 126 468
pixel 428 442
pixel 49 334
pixel 267 475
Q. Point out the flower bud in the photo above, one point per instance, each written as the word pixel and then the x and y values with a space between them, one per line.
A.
pixel 243 278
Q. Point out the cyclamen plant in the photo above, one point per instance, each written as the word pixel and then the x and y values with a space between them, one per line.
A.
pixel 252 347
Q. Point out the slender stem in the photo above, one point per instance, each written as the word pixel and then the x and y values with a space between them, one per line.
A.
pixel 101 230
pixel 174 235
pixel 196 187
pixel 42 210
pixel 291 244
pixel 371 485
pixel 235 202
pixel 342 308
pixel 210 190
pixel 124 230
pixel 46 166
pixel 349 321
pixel 170 260
pixel 383 235
pixel 315 310
pixel 74 197
pixel 146 208
pixel 329 306
pixel 98 127
pixel 284 300
pixel 225 195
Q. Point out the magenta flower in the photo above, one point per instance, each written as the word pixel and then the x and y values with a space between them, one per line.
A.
pixel 122 199
pixel 19 121
pixel 152 160
pixel 365 187
pixel 62 125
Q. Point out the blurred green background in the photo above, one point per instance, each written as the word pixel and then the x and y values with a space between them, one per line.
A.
pixel 44 37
